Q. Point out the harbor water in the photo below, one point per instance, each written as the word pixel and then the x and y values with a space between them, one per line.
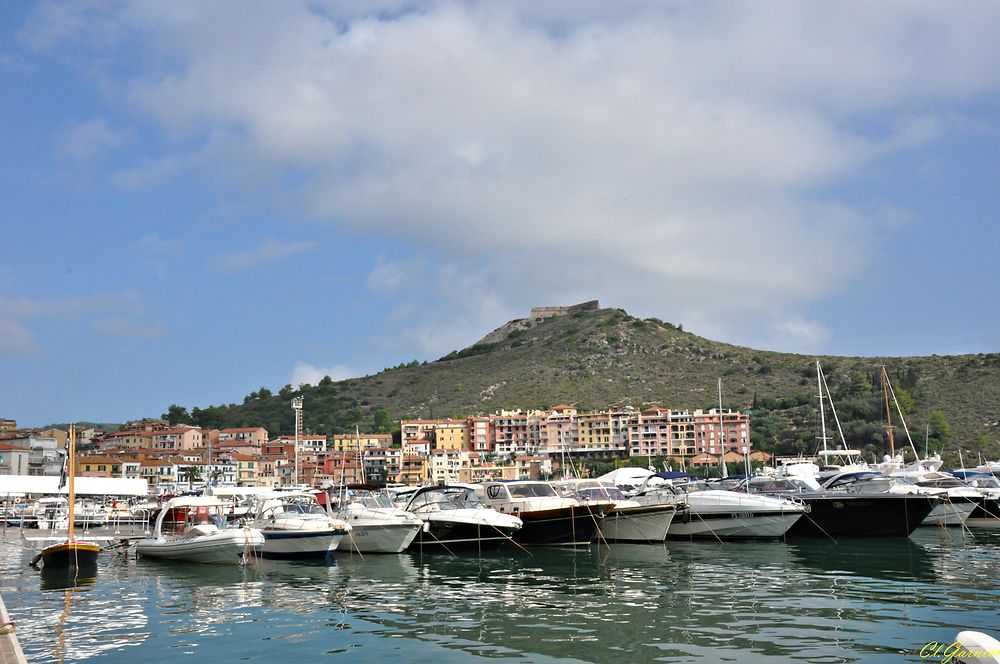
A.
pixel 809 601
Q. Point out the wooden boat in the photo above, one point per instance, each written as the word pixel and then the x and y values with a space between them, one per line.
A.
pixel 71 553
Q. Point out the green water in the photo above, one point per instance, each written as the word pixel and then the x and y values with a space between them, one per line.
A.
pixel 815 601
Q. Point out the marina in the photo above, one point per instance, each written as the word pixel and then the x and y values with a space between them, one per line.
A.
pixel 807 600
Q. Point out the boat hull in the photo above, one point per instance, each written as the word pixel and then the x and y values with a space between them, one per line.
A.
pixel 445 535
pixel 952 512
pixel 985 515
pixel 876 515
pixel 745 524
pixel 299 544
pixel 227 547
pixel 71 555
pixel 646 524
pixel 564 526
pixel 368 537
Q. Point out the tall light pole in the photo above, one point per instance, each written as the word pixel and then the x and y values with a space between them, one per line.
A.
pixel 297 407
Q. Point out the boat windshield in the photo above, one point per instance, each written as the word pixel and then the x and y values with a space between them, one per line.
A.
pixel 777 485
pixel 444 499
pixel 532 491
pixel 301 507
pixel 375 501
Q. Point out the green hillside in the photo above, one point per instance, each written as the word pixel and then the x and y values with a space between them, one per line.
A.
pixel 594 359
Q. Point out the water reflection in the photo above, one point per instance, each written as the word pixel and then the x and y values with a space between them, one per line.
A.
pixel 811 601
pixel 56 578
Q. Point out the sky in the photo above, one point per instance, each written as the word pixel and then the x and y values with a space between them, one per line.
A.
pixel 198 199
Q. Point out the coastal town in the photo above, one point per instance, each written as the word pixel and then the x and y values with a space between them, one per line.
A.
pixel 506 445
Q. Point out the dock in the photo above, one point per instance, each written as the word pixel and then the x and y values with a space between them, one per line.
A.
pixel 10 649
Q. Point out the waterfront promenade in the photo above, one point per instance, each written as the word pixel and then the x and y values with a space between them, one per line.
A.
pixel 10 649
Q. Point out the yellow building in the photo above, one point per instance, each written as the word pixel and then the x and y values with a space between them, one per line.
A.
pixel 349 442
pixel 102 466
pixel 247 467
pixel 413 470
pixel 451 436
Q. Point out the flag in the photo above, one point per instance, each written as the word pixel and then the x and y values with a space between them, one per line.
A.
pixel 65 467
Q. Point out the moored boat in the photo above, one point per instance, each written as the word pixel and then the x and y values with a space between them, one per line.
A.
pixel 627 520
pixel 847 512
pixel 456 519
pixel 73 553
pixel 199 534
pixel 295 526
pixel 549 519
pixel 377 526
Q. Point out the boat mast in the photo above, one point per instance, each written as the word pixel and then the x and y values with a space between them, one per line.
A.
pixel 361 454
pixel 902 419
pixel 822 411
pixel 722 434
pixel 71 450
pixel 888 413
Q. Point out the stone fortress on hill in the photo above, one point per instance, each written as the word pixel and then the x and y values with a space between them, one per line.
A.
pixel 547 312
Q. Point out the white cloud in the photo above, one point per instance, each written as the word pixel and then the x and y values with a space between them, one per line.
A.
pixel 70 307
pixel 149 172
pixel 91 139
pixel 269 251
pixel 663 157
pixel 305 373
pixel 123 328
pixel 15 339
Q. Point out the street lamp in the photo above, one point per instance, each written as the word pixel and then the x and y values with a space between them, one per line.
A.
pixel 297 407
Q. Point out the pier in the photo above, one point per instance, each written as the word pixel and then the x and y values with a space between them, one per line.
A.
pixel 10 649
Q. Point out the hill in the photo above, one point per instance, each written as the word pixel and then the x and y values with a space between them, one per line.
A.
pixel 602 357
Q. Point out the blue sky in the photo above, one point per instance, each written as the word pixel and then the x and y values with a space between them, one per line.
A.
pixel 200 199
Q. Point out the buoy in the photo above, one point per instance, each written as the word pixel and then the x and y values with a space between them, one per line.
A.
pixel 976 648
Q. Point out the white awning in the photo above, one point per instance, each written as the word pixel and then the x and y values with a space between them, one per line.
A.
pixel 89 486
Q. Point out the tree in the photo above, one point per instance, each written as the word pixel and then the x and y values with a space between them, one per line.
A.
pixel 858 382
pixel 189 474
pixel 904 398
pixel 326 380
pixel 264 393
pixel 939 431
pixel 176 415
pixel 286 392
pixel 383 421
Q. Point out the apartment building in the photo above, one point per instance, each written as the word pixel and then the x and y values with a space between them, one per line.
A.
pixel 177 439
pixel 256 436
pixel 349 442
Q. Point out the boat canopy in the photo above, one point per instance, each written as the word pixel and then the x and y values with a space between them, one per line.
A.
pixel 91 486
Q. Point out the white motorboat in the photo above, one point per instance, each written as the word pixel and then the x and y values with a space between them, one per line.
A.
pixel 627 520
pixel 377 526
pixel 193 528
pixel 51 513
pixel 716 514
pixel 294 525
pixel 456 519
